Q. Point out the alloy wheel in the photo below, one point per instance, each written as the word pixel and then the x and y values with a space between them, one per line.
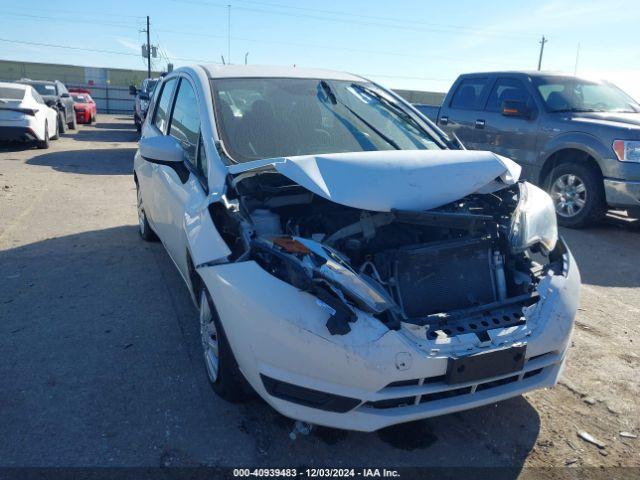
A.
pixel 209 337
pixel 569 195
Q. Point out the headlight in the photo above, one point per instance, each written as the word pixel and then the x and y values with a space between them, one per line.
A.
pixel 534 220
pixel 627 150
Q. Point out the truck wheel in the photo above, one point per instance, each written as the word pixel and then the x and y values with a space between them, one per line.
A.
pixel 62 125
pixel 577 191
pixel 44 144
pixel 225 376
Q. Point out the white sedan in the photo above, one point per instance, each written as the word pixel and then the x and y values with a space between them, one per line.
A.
pixel 352 264
pixel 24 116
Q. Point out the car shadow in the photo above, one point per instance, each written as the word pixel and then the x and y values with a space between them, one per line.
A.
pixel 112 161
pixel 607 253
pixel 106 132
pixel 102 318
pixel 16 146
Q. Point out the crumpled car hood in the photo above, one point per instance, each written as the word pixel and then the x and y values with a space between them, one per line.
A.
pixel 382 181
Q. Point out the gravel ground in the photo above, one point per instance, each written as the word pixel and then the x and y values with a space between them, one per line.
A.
pixel 101 358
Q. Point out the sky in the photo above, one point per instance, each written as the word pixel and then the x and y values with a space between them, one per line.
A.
pixel 412 44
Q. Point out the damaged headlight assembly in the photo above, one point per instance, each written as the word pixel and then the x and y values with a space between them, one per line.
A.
pixel 534 220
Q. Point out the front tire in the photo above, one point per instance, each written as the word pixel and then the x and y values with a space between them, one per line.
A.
pixel 44 144
pixel 577 191
pixel 144 229
pixel 225 376
pixel 62 126
pixel 73 124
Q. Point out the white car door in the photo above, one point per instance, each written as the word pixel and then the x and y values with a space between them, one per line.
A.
pixel 147 172
pixel 178 191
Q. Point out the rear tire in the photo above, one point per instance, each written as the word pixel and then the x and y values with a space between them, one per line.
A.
pixel 222 369
pixel 44 144
pixel 578 194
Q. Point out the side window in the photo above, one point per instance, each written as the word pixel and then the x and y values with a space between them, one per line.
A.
pixel 36 96
pixel 61 88
pixel 161 117
pixel 468 94
pixel 185 121
pixel 506 89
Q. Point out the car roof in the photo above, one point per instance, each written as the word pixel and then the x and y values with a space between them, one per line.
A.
pixel 21 86
pixel 263 71
pixel 39 82
pixel 530 73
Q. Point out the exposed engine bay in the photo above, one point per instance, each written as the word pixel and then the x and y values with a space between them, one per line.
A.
pixel 454 269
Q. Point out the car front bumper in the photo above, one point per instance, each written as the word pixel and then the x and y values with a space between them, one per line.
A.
pixel 373 377
pixel 622 193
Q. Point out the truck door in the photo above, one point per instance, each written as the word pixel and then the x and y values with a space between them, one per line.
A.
pixel 463 110
pixel 511 136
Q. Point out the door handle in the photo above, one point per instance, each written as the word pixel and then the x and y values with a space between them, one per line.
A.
pixel 444 120
pixel 479 123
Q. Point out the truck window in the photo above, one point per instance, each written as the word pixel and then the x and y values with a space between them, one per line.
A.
pixel 468 94
pixel 506 89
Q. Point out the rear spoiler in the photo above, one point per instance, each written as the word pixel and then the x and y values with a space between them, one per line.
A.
pixel 26 111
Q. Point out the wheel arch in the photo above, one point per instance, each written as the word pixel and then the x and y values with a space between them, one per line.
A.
pixel 568 154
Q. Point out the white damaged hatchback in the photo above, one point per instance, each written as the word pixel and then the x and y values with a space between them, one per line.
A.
pixel 352 264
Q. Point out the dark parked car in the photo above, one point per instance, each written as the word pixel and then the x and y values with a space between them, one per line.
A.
pixel 56 95
pixel 578 138
pixel 143 98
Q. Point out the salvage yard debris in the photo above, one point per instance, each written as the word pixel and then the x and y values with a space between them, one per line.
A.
pixel 591 439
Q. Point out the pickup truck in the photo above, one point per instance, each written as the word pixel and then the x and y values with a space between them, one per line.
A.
pixel 578 138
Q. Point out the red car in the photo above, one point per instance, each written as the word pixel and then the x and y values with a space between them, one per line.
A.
pixel 85 107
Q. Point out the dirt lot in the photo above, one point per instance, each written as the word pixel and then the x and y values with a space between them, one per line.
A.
pixel 101 362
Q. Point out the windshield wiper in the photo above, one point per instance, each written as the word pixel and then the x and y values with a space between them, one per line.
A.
pixel 332 97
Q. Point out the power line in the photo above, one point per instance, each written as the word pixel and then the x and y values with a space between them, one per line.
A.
pixel 385 18
pixel 109 52
pixel 440 29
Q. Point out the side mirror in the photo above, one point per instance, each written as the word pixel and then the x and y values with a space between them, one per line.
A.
pixel 51 102
pixel 133 90
pixel 64 95
pixel 144 95
pixel 164 150
pixel 515 108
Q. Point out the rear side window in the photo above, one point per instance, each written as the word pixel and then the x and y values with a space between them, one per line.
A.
pixel 185 121
pixel 468 94
pixel 506 89
pixel 161 117
pixel 36 96
pixel 8 93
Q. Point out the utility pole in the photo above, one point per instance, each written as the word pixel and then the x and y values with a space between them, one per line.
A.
pixel 149 50
pixel 542 42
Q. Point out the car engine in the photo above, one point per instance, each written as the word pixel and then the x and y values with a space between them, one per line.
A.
pixel 453 269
